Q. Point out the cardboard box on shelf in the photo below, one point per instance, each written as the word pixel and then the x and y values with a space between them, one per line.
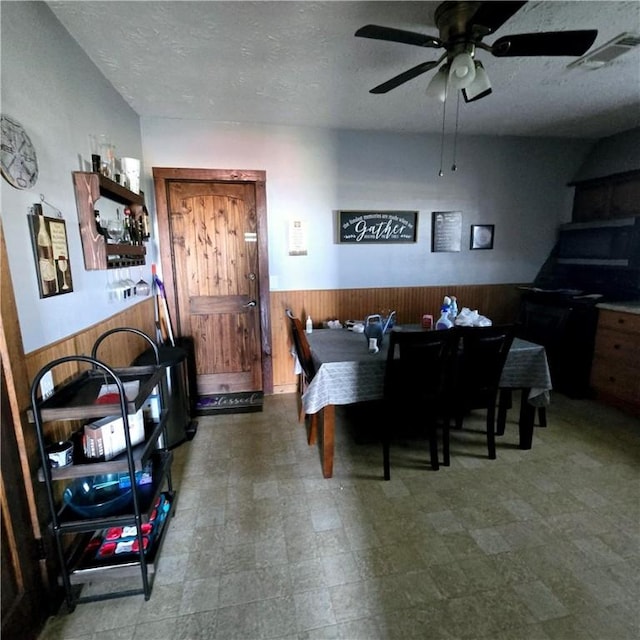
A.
pixel 105 438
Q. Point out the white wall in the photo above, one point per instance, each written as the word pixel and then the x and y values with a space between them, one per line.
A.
pixel 518 184
pixel 56 92
pixel 52 88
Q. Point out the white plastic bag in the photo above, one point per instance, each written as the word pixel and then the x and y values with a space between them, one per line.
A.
pixel 469 318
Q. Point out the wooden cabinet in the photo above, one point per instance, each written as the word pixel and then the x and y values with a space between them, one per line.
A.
pixel 615 196
pixel 89 187
pixel 615 373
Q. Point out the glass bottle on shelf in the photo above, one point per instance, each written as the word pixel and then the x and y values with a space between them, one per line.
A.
pixel 99 228
pixel 108 156
pixel 126 236
pixel 146 234
pixel 130 227
pixel 140 228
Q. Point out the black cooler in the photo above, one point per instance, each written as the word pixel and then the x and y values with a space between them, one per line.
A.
pixel 177 387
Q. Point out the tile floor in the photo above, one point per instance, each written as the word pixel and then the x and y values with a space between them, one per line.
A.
pixel 539 544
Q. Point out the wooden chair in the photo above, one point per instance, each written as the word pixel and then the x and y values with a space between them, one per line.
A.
pixel 483 352
pixel 303 353
pixel 417 383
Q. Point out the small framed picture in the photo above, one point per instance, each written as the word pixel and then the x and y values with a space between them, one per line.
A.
pixel 482 236
pixel 51 253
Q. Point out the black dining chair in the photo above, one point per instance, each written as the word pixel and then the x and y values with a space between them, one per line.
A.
pixel 303 353
pixel 417 383
pixel 482 354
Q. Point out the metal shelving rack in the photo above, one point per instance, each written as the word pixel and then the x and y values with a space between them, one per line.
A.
pixel 75 400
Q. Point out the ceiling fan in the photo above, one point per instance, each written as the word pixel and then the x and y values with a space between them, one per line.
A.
pixel 462 27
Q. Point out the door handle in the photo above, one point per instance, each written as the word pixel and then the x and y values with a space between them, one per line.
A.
pixel 251 303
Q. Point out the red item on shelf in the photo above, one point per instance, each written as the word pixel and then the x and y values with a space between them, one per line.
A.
pixel 108 398
pixel 135 547
pixel 113 534
pixel 107 549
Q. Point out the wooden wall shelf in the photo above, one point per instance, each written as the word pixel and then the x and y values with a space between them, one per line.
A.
pixel 89 187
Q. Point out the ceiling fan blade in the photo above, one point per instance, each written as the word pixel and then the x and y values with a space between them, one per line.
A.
pixel 552 43
pixel 405 77
pixel 398 35
pixel 492 15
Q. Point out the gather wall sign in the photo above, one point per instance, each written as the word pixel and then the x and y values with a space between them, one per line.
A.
pixel 366 227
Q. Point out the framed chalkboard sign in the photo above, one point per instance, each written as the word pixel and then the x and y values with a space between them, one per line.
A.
pixel 446 230
pixel 366 227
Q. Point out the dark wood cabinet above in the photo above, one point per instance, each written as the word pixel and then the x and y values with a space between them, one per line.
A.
pixel 614 196
pixel 89 187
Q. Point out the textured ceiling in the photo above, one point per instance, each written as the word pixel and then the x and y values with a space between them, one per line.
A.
pixel 298 63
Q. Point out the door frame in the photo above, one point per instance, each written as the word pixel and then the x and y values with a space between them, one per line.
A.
pixel 32 594
pixel 162 176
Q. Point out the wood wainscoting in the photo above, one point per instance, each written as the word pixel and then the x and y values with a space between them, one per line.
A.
pixel 118 350
pixel 499 302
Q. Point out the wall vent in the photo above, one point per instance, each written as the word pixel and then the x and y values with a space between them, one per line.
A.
pixel 607 52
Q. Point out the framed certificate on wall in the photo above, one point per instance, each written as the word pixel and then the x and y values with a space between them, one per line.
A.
pixel 446 231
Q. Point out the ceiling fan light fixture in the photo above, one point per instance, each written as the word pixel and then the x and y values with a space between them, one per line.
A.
pixel 462 71
pixel 437 87
pixel 480 87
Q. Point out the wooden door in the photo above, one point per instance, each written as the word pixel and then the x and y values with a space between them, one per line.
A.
pixel 215 270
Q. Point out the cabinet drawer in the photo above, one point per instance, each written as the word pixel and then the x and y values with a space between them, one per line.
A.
pixel 619 321
pixel 617 380
pixel 618 347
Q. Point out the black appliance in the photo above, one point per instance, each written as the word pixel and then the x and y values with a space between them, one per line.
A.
pixel 591 262
pixel 178 388
pixel 600 258
pixel 565 324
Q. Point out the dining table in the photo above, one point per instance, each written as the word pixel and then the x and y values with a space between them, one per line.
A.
pixel 347 373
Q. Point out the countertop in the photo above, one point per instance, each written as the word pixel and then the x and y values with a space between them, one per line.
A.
pixel 630 306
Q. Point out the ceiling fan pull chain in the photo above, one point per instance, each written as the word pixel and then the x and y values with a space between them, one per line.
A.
pixel 444 111
pixel 454 167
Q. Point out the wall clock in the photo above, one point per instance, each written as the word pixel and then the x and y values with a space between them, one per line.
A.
pixel 19 161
